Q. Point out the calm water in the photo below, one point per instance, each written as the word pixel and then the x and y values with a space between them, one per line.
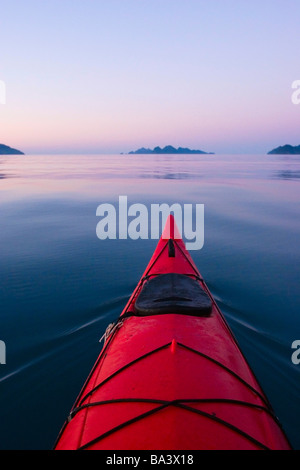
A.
pixel 60 285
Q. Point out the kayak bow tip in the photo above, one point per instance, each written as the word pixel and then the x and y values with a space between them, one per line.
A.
pixel 171 231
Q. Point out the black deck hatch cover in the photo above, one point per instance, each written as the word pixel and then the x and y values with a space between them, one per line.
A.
pixel 173 293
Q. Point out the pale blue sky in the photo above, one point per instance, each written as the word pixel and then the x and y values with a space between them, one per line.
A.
pixel 114 75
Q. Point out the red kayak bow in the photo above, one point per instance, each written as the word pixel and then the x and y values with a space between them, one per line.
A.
pixel 171 374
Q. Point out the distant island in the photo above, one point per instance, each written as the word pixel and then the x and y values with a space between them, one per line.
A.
pixel 5 150
pixel 169 149
pixel 286 150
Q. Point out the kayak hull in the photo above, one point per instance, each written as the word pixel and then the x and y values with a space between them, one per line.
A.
pixel 170 381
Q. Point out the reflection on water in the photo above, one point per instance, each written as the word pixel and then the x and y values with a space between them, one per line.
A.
pixel 288 174
pixel 169 176
pixel 288 167
pixel 103 167
pixel 60 285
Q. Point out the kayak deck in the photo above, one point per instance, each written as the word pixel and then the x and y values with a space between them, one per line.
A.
pixel 171 374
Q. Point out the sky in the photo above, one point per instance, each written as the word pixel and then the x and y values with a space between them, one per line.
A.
pixel 110 76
